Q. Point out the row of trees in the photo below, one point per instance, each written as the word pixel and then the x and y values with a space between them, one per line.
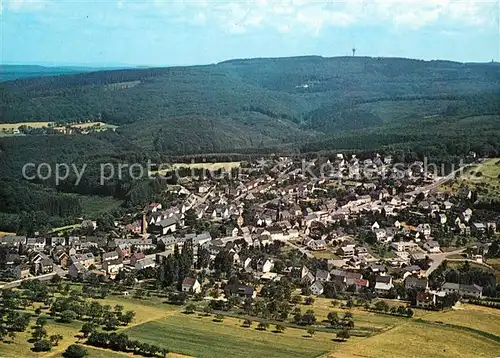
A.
pixel 382 306
pixel 120 342
pixel 69 309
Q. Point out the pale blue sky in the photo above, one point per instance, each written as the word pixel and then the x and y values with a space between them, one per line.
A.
pixel 112 32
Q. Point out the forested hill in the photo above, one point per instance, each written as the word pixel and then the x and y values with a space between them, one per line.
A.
pixel 251 106
pixel 13 72
pixel 256 102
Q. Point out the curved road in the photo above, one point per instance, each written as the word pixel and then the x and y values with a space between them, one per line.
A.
pixel 437 260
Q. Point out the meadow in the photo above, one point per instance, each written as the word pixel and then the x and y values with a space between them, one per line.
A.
pixel 470 331
pixel 416 340
pixel 484 177
pixel 226 166
pixel 11 126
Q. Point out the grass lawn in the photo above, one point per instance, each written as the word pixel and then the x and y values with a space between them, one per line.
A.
pixel 416 340
pixel 476 317
pixel 10 126
pixel 198 336
pixel 458 264
pixel 487 184
pixel 201 337
pixel 103 353
pixel 329 255
pixel 495 263
pixel 362 318
pixel 20 347
pixel 62 228
pixel 227 166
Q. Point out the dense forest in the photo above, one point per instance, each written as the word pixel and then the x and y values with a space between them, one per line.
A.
pixel 412 108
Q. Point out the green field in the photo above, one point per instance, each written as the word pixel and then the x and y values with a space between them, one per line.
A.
pixel 471 331
pixel 93 206
pixel 201 337
pixel 416 340
pixel 483 177
pixel 227 166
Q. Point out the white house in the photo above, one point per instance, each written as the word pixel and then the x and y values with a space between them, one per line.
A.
pixel 317 288
pixel 191 285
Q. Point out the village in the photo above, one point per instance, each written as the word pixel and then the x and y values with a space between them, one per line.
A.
pixel 337 235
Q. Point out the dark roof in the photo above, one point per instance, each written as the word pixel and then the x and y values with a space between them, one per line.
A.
pixel 415 282
pixel 239 289
pixel 383 279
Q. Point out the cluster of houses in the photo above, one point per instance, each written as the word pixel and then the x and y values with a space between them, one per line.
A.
pixel 278 200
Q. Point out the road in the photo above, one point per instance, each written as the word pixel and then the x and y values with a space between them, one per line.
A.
pixel 437 260
pixel 16 283
pixel 301 249
pixel 440 181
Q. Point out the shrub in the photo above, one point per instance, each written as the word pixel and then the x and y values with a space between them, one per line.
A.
pixel 75 351
pixel 42 345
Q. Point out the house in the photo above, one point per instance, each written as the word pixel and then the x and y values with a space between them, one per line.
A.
pixel 316 245
pixel 166 226
pixel 383 284
pixel 361 284
pixel 86 259
pixel 76 270
pixel 145 263
pixel 154 207
pixel 35 243
pixel 265 265
pixel 471 291
pixel 377 268
pixel 432 247
pixel 61 258
pixel 112 267
pixel 463 290
pixel 415 282
pixel 347 251
pixel 240 290
pixel 322 275
pixel 424 229
pixel 425 300
pixel 317 288
pixel 191 285
pixel 45 266
pixel 478 228
pixel 381 234
pixel 404 246
pixel 108 256
pixel 21 271
pixel 137 257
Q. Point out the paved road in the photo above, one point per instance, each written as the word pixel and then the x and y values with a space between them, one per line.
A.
pixel 440 181
pixel 437 260
pixel 301 249
pixel 16 283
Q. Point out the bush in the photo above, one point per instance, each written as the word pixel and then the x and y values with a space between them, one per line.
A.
pixel 42 345
pixel 68 316
pixel 75 351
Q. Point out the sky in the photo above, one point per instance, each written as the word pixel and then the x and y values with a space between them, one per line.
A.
pixel 187 32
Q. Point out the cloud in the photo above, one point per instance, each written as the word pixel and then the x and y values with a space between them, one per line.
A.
pixel 301 16
pixel 315 15
pixel 25 5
